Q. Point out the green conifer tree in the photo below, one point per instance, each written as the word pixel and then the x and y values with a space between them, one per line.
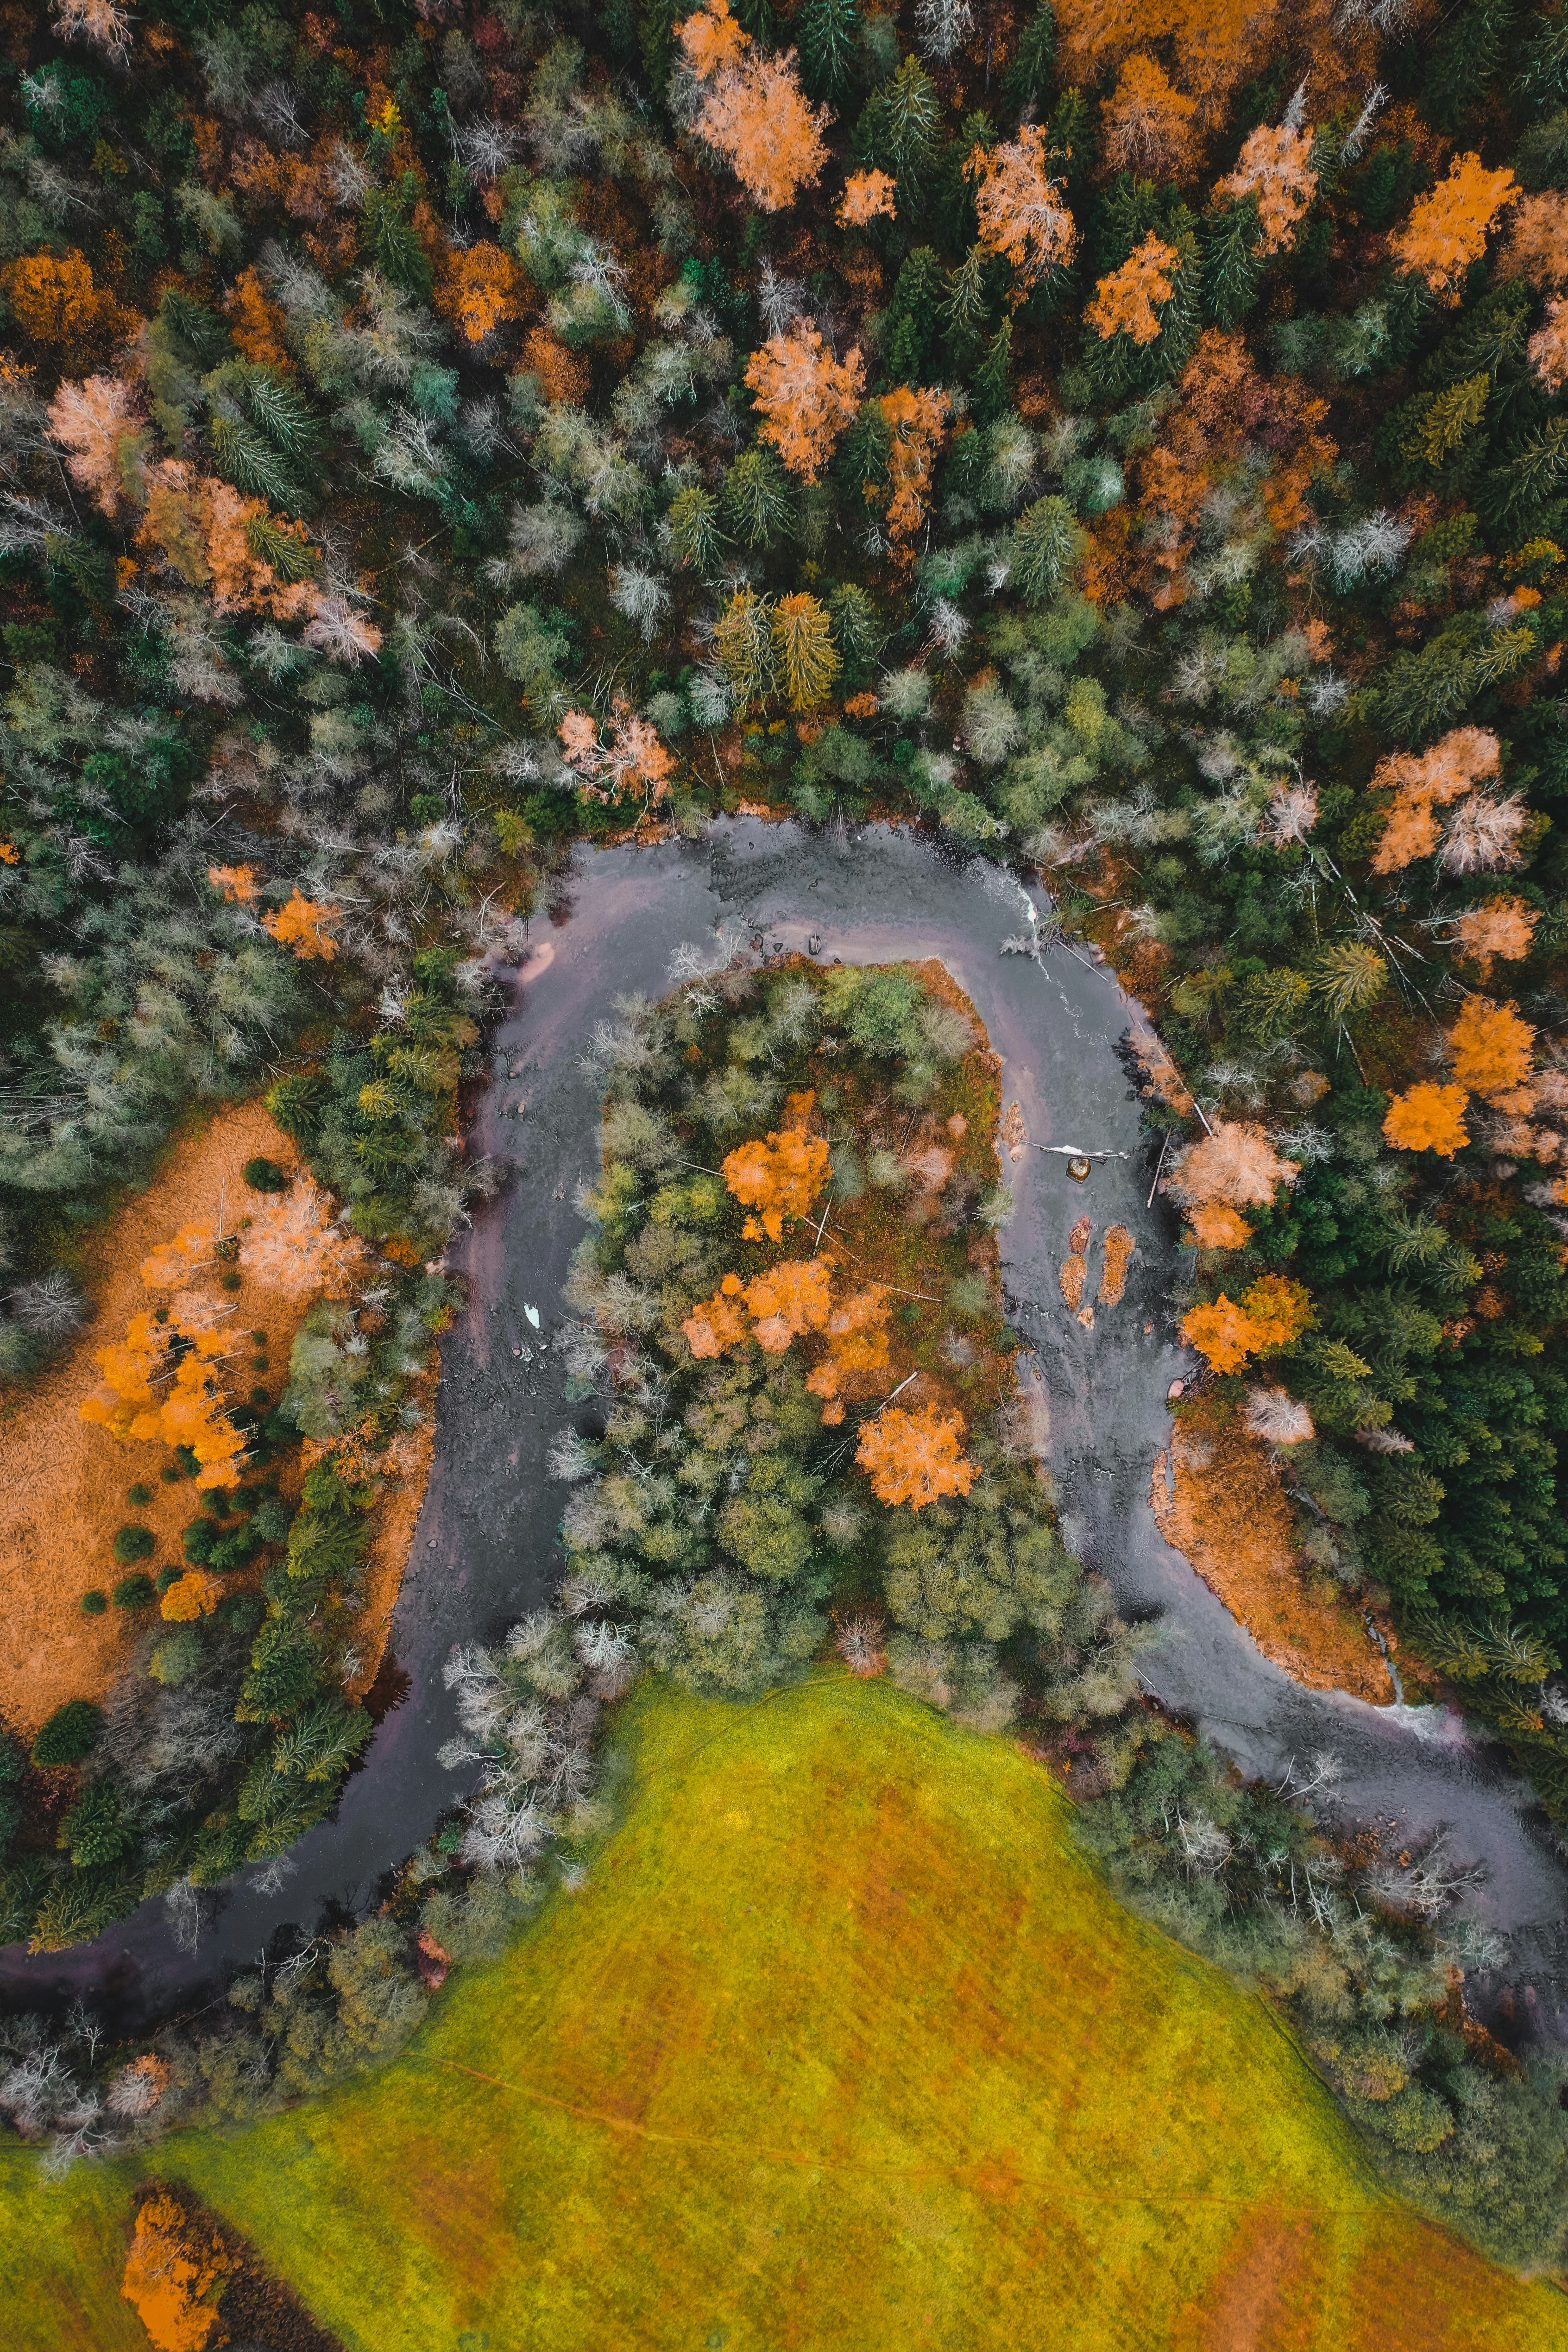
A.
pixel 1232 263
pixel 828 36
pixel 991 393
pixel 1029 77
pixel 963 306
pixel 912 317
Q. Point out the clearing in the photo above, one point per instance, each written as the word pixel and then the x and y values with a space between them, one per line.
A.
pixel 842 2043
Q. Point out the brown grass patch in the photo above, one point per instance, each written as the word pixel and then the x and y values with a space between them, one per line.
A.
pixel 1229 1518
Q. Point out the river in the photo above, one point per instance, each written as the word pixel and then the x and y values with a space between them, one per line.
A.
pixel 484 1548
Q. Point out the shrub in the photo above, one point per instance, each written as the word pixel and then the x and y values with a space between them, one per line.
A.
pixel 137 1591
pixel 139 1496
pixel 265 1176
pixel 94 1602
pixel 134 1543
pixel 71 1732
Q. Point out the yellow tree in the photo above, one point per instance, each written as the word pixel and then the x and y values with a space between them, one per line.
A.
pixel 1124 302
pixel 744 644
pixel 1447 229
pixel 802 640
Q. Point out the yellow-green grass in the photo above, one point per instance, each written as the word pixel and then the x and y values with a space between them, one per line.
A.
pixel 843 2043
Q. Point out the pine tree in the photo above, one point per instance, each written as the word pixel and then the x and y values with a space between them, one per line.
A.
pixel 910 323
pixel 803 646
pixel 1029 77
pixel 991 393
pixel 1232 265
pixel 744 644
pixel 827 30
pixel 1534 473
pixel 1543 66
pixel 899 129
pixel 1071 147
pixel 693 529
pixel 1045 544
pixel 953 194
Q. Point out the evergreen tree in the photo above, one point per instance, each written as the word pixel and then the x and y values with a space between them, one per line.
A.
pixel 828 31
pixel 1232 263
pixel 1543 66
pixel 953 193
pixel 900 128
pixel 963 306
pixel 1071 147
pixel 757 501
pixel 1029 77
pixel 1465 59
pixel 910 324
pixel 757 18
pixel 991 393
pixel 1534 473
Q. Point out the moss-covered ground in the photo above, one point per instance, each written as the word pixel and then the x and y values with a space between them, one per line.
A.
pixel 842 2043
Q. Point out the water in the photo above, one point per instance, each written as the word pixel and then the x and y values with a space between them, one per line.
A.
pixel 484 1548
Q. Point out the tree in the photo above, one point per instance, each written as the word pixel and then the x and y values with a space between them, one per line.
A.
pixel 963 309
pixel 1046 543
pixel 1491 1047
pixel 101 424
pixel 744 644
pixel 69 1735
pixel 900 126
pixel 304 925
pixel 1146 126
pixel 806 396
pixel 757 501
pixel 754 112
pixel 54 298
pixel 1276 168
pixel 991 391
pixel 917 420
pixel 827 30
pixel 1348 978
pixel 1427 1117
pixel 1447 229
pixel 173 2274
pixel 1232 240
pixel 803 641
pixel 911 320
pixel 634 761
pixel 1271 1314
pixel 1020 206
pixel 693 529
pixel 1548 347
pixel 1029 77
pixel 778 1178
pixel 480 286
pixel 868 197
pixel 1537 246
pixel 915 1457
pixel 1126 302
pixel 1235 1163
pixel 1503 927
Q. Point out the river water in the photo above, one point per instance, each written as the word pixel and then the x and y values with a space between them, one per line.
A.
pixel 485 1547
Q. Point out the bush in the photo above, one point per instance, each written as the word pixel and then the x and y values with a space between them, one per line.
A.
pixel 167 1576
pixel 71 1732
pixel 265 1176
pixel 178 1658
pixel 139 1496
pixel 94 1602
pixel 137 1591
pixel 132 1543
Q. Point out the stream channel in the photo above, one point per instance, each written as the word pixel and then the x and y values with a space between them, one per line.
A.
pixel 484 1549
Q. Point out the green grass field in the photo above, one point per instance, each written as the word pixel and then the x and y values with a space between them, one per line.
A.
pixel 844 2044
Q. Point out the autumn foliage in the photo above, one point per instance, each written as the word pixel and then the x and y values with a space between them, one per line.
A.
pixel 632 761
pixel 1424 782
pixel 304 925
pixel 52 296
pixel 174 2271
pixel 1269 1315
pixel 778 1179
pixel 805 397
pixel 915 1457
pixel 1237 1165
pixel 1275 167
pixel 1491 1047
pixel 1427 1117
pixel 868 197
pixel 480 287
pixel 1022 211
pixel 917 420
pixel 754 112
pixel 1447 229
pixel 1124 302
pixel 1148 125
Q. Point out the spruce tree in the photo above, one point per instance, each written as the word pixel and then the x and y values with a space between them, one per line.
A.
pixel 911 325
pixel 991 393
pixel 827 31
pixel 964 305
pixel 1465 59
pixel 1232 263
pixel 1029 77
pixel 899 129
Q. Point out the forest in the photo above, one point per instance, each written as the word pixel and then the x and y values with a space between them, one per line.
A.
pixel 1125 443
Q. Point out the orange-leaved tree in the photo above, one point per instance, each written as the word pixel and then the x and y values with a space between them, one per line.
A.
pixel 293 1244
pixel 157 1393
pixel 915 1457
pixel 1427 1117
pixel 196 1595
pixel 1491 1048
pixel 778 1179
pixel 917 419
pixel 754 112
pixel 632 761
pixel 868 197
pixel 239 884
pixel 101 423
pixel 792 1297
pixel 1275 167
pixel 52 296
pixel 1270 1314
pixel 1124 302
pixel 175 2270
pixel 857 1347
pixel 1216 1225
pixel 303 924
pixel 806 396
pixel 1447 229
pixel 1424 781
pixel 1021 210
pixel 1503 928
pixel 1547 349
pixel 1236 1165
pixel 1147 126
pixel 1537 246
pixel 480 286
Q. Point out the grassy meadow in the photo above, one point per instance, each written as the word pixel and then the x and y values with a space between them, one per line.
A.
pixel 843 2043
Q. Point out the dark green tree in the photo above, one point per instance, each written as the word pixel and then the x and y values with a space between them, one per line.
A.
pixel 1029 77
pixel 828 31
pixel 992 391
pixel 911 325
pixel 1232 263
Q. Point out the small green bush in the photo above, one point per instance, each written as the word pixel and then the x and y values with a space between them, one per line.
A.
pixel 178 1658
pixel 167 1576
pixel 71 1732
pixel 134 1543
pixel 137 1591
pixel 94 1603
pixel 264 1176
pixel 139 1496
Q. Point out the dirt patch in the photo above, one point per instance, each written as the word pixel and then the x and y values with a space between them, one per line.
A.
pixel 65 1489
pixel 1229 1516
